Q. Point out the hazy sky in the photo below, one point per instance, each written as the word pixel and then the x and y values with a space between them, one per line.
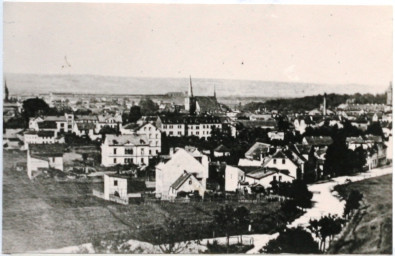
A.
pixel 315 44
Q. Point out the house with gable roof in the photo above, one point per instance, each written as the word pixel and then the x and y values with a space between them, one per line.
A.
pixel 172 175
pixel 125 149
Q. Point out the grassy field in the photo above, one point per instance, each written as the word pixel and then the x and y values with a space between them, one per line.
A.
pixel 39 215
pixel 371 231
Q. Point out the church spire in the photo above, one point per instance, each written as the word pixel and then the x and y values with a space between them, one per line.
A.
pixel 190 92
pixel 6 91
pixel 215 94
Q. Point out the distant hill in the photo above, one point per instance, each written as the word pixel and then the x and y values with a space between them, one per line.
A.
pixel 311 102
pixel 34 84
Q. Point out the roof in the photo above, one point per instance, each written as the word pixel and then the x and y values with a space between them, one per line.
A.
pixel 104 118
pixel 222 148
pixel 374 138
pixel 47 125
pixel 257 149
pixel 181 180
pixel 258 123
pixel 319 140
pixel 208 103
pixel 182 161
pixel 355 140
pixel 46 150
pixel 265 172
pixel 190 120
pixel 303 149
pixel 86 126
pixel 46 133
pixel 126 139
pixel 132 126
pixel 86 117
pixel 55 118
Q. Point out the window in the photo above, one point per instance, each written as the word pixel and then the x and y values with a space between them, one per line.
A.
pixel 115 183
pixel 142 151
pixel 115 151
pixel 283 161
pixel 142 160
pixel 171 133
pixel 197 126
pixel 279 178
pixel 62 125
pixel 115 160
pixel 165 127
pixel 149 129
pixel 179 133
pixel 150 151
pixel 274 161
pixel 190 182
pixel 129 151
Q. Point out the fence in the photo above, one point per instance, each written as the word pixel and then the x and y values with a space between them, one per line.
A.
pixel 119 200
pixel 98 193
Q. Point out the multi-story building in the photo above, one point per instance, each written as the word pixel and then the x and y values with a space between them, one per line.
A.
pixel 153 134
pixel 199 126
pixel 113 121
pixel 125 149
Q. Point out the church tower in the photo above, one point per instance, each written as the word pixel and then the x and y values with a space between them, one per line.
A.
pixel 215 94
pixel 6 93
pixel 190 104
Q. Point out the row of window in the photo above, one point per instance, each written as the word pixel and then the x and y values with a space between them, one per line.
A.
pixel 171 126
pixel 129 160
pixel 275 161
pixel 129 151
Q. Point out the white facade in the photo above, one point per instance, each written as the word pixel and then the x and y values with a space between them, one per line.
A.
pixel 125 149
pixel 190 185
pixel 202 130
pixel 153 134
pixel 265 181
pixel 233 176
pixel 181 161
pixel 34 163
pixel 115 184
pixel 283 164
pixel 173 130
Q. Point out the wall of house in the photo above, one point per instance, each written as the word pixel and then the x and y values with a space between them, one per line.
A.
pixel 232 177
pixel 139 156
pixel 287 165
pixel 33 164
pixel 56 162
pixel 265 182
pixel 110 187
pixel 189 185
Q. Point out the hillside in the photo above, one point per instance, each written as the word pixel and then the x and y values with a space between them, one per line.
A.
pixel 311 102
pixel 371 232
pixel 33 84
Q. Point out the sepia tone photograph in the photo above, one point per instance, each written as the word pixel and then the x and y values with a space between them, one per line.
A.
pixel 197 128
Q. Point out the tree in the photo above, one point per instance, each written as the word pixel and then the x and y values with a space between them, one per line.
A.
pixel 352 202
pixel 242 216
pixel 34 106
pixel 134 114
pixel 148 107
pixel 224 219
pixel 172 237
pixel 326 227
pixel 375 129
pixel 294 240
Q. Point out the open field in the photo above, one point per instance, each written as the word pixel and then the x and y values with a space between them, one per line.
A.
pixel 47 214
pixel 371 231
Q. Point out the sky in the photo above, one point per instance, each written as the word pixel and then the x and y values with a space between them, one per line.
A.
pixel 301 43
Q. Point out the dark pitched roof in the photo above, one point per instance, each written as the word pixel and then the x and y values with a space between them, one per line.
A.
pixel 86 126
pixel 259 123
pixel 46 133
pixel 181 180
pixel 208 103
pixel 319 140
pixel 222 148
pixel 257 149
pixel 206 119
pixel 46 150
pixel 47 125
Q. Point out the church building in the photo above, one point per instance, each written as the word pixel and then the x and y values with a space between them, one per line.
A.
pixel 202 104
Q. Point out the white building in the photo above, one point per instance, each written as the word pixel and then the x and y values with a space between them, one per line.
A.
pixel 275 135
pixel 283 163
pixel 40 137
pixel 113 121
pixel 125 149
pixel 153 134
pixel 264 176
pixel 233 177
pixel 44 156
pixel 169 174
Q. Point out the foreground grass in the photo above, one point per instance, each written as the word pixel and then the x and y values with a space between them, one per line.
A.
pixel 42 215
pixel 370 232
